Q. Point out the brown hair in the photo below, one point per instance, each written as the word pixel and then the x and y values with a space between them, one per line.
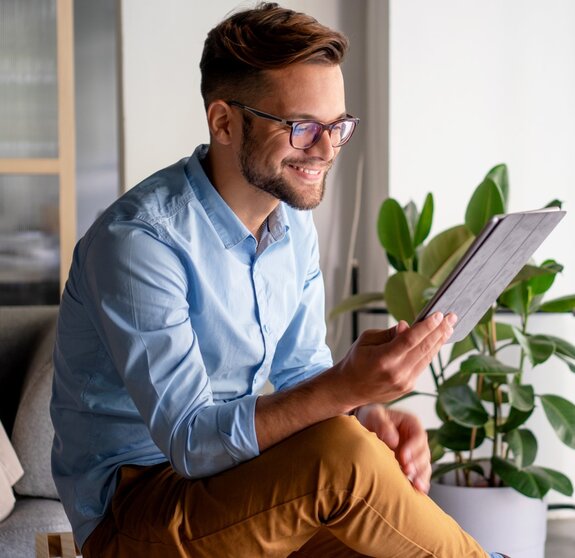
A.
pixel 239 50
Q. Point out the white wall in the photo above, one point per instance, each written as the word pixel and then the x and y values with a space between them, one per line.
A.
pixel 163 115
pixel 473 84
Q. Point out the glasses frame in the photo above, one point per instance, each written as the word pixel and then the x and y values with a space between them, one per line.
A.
pixel 293 123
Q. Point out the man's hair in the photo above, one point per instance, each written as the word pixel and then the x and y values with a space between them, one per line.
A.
pixel 239 50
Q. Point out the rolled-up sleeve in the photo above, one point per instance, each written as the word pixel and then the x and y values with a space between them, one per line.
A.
pixel 139 287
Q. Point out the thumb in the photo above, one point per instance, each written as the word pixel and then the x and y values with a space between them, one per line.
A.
pixel 402 326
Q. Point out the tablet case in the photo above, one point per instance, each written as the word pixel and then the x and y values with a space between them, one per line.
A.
pixel 494 258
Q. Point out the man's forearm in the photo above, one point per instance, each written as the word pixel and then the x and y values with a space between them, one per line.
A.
pixel 381 366
pixel 281 414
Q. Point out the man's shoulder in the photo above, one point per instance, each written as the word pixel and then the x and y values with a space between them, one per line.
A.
pixel 150 205
pixel 157 197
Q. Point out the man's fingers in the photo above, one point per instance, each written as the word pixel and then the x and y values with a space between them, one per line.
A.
pixel 417 333
pixel 432 345
pixel 413 452
pixel 388 434
pixel 423 338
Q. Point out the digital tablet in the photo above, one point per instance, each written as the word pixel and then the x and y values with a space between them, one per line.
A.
pixel 496 255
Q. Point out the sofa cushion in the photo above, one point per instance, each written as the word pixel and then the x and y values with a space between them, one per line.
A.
pixel 30 516
pixel 33 431
pixel 10 472
pixel 21 328
pixel 7 499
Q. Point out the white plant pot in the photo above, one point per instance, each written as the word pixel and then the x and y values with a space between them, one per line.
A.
pixel 500 519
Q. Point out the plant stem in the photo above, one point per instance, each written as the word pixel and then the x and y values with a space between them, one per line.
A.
pixel 496 395
pixel 510 344
pixel 519 376
pixel 434 374
pixel 458 460
pixel 441 367
pixel 479 389
pixel 495 448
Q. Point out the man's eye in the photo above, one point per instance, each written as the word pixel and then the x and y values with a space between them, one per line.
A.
pixel 304 128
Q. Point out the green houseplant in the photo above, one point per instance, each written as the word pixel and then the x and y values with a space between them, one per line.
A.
pixel 481 399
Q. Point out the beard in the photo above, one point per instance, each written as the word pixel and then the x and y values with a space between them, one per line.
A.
pixel 271 182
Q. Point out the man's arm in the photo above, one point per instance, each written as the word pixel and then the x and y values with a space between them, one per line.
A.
pixel 381 366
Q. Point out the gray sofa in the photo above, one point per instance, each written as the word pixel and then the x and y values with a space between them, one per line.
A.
pixel 26 341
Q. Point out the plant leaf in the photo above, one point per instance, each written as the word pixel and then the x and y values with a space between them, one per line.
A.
pixel 559 482
pixel 500 176
pixel 436 449
pixel 463 405
pixel 541 348
pixel 540 284
pixel 459 348
pixel 561 416
pixel 404 295
pixel 521 396
pixel 393 231
pixel 562 347
pixel 538 348
pixel 355 302
pixel 445 468
pixel 570 364
pixel 523 445
pixel 514 420
pixel 486 201
pixel 458 438
pixel 485 364
pixel 524 481
pixel 516 299
pixel 424 222
pixel 412 216
pixel 503 331
pixel 540 278
pixel 395 263
pixel 562 304
pixel 443 252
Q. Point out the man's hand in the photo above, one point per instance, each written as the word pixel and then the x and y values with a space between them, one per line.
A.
pixel 405 435
pixel 383 365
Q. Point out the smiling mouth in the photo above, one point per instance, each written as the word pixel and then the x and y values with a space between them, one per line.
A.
pixel 305 170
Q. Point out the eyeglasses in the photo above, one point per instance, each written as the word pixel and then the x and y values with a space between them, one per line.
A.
pixel 306 133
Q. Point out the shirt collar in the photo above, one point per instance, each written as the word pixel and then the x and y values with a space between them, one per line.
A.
pixel 226 223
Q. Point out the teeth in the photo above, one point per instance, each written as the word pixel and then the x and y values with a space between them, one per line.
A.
pixel 306 171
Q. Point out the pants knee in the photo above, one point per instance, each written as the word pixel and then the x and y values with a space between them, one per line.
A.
pixel 341 447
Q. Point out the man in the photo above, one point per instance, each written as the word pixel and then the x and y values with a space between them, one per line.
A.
pixel 197 286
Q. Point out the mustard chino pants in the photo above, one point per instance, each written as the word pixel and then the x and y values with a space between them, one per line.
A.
pixel 332 490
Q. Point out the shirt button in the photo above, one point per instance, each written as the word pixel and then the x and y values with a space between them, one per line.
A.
pixel 266 328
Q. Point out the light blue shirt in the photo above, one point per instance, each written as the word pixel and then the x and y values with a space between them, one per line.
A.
pixel 172 320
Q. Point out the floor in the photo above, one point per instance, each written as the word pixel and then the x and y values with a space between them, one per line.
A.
pixel 560 539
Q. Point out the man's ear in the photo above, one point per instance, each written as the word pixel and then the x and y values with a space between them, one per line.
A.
pixel 219 115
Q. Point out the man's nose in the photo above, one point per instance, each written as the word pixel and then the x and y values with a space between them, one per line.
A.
pixel 323 148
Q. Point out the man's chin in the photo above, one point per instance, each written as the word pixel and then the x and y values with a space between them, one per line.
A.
pixel 306 200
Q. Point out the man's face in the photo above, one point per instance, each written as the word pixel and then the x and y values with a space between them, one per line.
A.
pixel 266 158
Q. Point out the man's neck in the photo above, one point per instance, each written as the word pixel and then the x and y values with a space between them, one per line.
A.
pixel 251 205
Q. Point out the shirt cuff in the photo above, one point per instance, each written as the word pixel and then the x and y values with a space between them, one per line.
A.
pixel 237 429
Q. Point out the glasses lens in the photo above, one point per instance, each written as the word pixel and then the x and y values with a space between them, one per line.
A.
pixel 341 132
pixel 305 134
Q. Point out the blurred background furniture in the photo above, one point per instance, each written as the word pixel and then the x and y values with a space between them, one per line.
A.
pixel 26 342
